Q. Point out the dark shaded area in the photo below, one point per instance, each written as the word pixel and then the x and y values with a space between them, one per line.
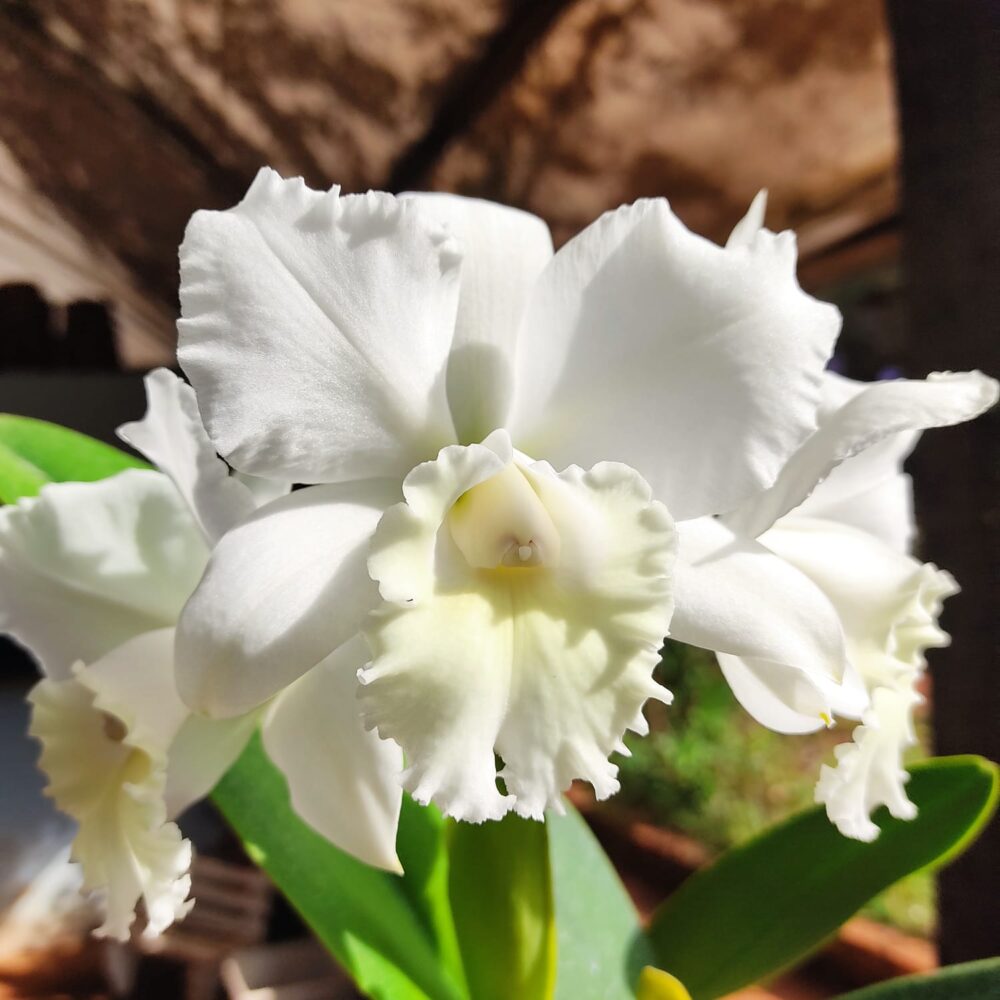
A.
pixel 949 99
pixel 35 335
pixel 94 404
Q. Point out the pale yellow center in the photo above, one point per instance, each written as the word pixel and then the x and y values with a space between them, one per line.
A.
pixel 502 522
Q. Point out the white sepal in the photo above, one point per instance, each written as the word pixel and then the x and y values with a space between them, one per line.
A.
pixel 504 250
pixel 281 592
pixel 734 596
pixel 882 414
pixel 86 566
pixel 343 780
pixel 172 437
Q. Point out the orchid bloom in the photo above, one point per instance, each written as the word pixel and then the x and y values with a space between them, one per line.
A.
pixel 94 576
pixel 424 364
pixel 841 514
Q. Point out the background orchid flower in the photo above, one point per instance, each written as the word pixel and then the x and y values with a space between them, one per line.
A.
pixel 96 574
pixel 841 513
pixel 94 578
pixel 432 350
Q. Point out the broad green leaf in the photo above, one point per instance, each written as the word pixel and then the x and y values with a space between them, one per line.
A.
pixel 969 981
pixel 422 845
pixel 601 947
pixel 655 984
pixel 362 915
pixel 35 452
pixel 501 896
pixel 765 904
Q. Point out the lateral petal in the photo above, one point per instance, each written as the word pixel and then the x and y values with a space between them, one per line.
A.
pixel 697 365
pixel 316 329
pixel 887 602
pixel 869 770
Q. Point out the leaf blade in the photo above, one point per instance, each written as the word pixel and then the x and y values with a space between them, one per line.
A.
pixel 968 981
pixel 601 947
pixel 35 452
pixel 358 912
pixel 771 922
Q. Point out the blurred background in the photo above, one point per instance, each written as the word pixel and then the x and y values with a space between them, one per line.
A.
pixel 876 129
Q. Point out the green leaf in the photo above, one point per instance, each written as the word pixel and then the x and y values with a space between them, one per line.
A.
pixel 763 905
pixel 362 915
pixel 35 452
pixel 501 896
pixel 422 845
pixel 969 981
pixel 602 950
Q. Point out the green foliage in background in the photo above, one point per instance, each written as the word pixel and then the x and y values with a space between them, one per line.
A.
pixel 969 981
pixel 33 453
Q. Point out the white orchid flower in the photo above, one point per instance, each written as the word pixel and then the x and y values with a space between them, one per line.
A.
pixel 840 514
pixel 405 357
pixel 97 574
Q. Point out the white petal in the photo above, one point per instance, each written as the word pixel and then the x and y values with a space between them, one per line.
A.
pixel 343 780
pixel 316 331
pixel 103 736
pixel 263 491
pixel 699 366
pixel 172 437
pixel 887 602
pixel 745 231
pixel 282 591
pixel 883 410
pixel 85 566
pixel 504 252
pixel 135 683
pixel 403 559
pixel 201 753
pixel 782 698
pixel 789 700
pixel 869 770
pixel 594 640
pixel 884 510
pixel 734 596
pixel 546 664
